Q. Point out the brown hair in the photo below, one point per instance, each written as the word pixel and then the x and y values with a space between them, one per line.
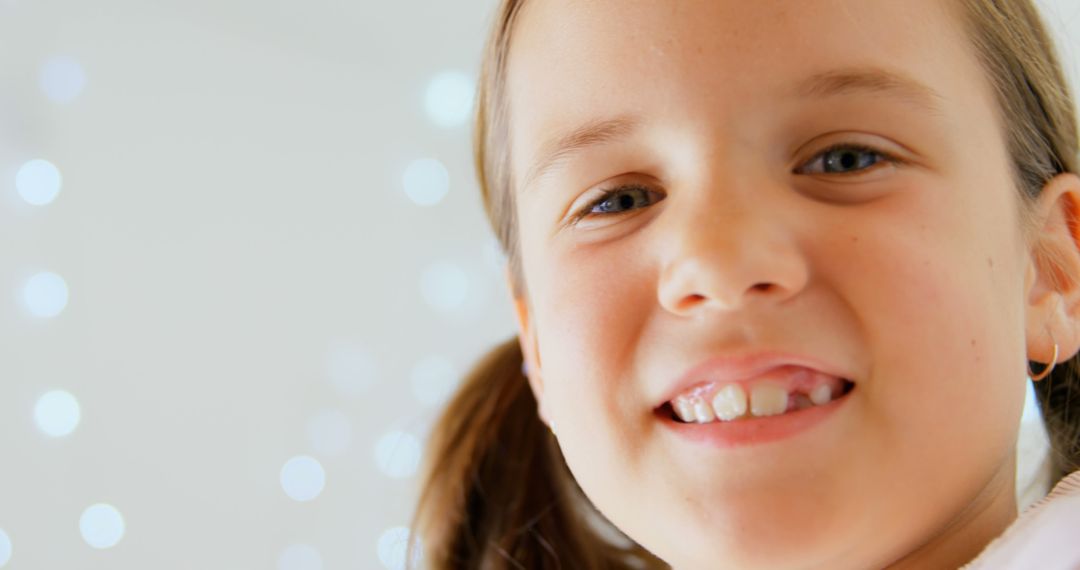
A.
pixel 496 492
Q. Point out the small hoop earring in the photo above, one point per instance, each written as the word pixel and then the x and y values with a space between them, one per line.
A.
pixel 1046 371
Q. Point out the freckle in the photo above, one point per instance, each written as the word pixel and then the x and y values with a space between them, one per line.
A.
pixel 990 260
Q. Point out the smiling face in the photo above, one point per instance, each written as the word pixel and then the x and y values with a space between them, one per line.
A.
pixel 896 257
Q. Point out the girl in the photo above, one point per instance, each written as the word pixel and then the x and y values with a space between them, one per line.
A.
pixel 779 269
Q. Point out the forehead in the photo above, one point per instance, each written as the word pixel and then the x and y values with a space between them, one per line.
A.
pixel 711 63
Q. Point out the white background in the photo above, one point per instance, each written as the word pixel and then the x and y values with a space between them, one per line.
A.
pixel 248 279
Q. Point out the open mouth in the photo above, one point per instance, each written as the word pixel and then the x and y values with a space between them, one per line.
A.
pixel 733 404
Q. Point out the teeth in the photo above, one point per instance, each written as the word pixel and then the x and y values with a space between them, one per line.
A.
pixel 768 400
pixel 703 411
pixel 730 402
pixel 684 410
pixel 822 394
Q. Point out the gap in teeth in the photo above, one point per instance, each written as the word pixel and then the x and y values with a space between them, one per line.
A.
pixel 731 401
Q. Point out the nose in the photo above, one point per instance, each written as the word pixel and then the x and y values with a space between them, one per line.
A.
pixel 721 255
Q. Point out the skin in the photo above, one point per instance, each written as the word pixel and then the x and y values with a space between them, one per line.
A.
pixel 912 277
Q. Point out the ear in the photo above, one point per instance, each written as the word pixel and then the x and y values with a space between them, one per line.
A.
pixel 1052 280
pixel 528 341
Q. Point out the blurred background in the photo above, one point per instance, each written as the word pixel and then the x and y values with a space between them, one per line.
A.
pixel 244 262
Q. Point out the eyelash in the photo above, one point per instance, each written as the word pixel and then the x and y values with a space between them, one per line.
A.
pixel 609 193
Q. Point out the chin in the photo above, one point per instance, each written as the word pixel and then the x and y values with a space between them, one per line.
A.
pixel 787 530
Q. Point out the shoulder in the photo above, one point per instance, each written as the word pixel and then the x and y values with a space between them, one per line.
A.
pixel 1044 536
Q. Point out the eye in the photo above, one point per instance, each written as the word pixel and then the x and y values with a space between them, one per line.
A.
pixel 846 158
pixel 619 200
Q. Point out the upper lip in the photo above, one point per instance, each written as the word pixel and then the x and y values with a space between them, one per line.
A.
pixel 743 366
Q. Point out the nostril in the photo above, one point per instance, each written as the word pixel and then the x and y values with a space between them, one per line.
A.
pixel 691 301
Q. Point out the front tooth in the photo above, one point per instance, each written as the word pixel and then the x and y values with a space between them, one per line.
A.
pixel 768 400
pixel 703 411
pixel 730 402
pixel 684 410
pixel 821 394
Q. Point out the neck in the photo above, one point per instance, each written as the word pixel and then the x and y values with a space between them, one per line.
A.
pixel 992 511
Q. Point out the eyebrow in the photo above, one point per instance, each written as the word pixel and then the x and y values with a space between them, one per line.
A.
pixel 592 133
pixel 832 83
pixel 853 80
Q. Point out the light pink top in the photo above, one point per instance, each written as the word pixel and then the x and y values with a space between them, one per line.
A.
pixel 1045 536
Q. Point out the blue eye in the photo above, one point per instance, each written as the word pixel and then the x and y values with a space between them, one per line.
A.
pixel 846 158
pixel 620 200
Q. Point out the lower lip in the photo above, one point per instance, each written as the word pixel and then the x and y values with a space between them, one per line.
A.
pixel 753 431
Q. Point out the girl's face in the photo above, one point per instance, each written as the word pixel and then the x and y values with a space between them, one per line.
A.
pixel 901 265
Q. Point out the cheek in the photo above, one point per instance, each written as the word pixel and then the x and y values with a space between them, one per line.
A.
pixel 940 304
pixel 591 311
pixel 593 306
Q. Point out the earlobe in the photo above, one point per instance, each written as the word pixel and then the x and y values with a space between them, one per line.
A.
pixel 529 347
pixel 1052 283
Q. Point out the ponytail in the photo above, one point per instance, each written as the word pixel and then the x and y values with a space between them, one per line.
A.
pixel 496 492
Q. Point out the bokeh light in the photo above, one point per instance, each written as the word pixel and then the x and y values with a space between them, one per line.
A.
pixel 393 548
pixel 62 79
pixel 101 526
pixel 432 379
pixel 444 286
pixel 303 478
pixel 397 454
pixel 449 98
pixel 426 181
pixel 300 557
pixel 5 548
pixel 38 182
pixel 45 295
pixel 57 413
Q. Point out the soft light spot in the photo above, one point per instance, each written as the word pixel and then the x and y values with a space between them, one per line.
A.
pixel 300 557
pixel 1031 404
pixel 397 454
pixel 449 98
pixel 45 295
pixel 62 79
pixel 101 526
pixel 57 413
pixel 444 286
pixel 393 548
pixel 302 478
pixel 5 548
pixel 38 182
pixel 351 368
pixel 426 181
pixel 330 432
pixel 433 379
